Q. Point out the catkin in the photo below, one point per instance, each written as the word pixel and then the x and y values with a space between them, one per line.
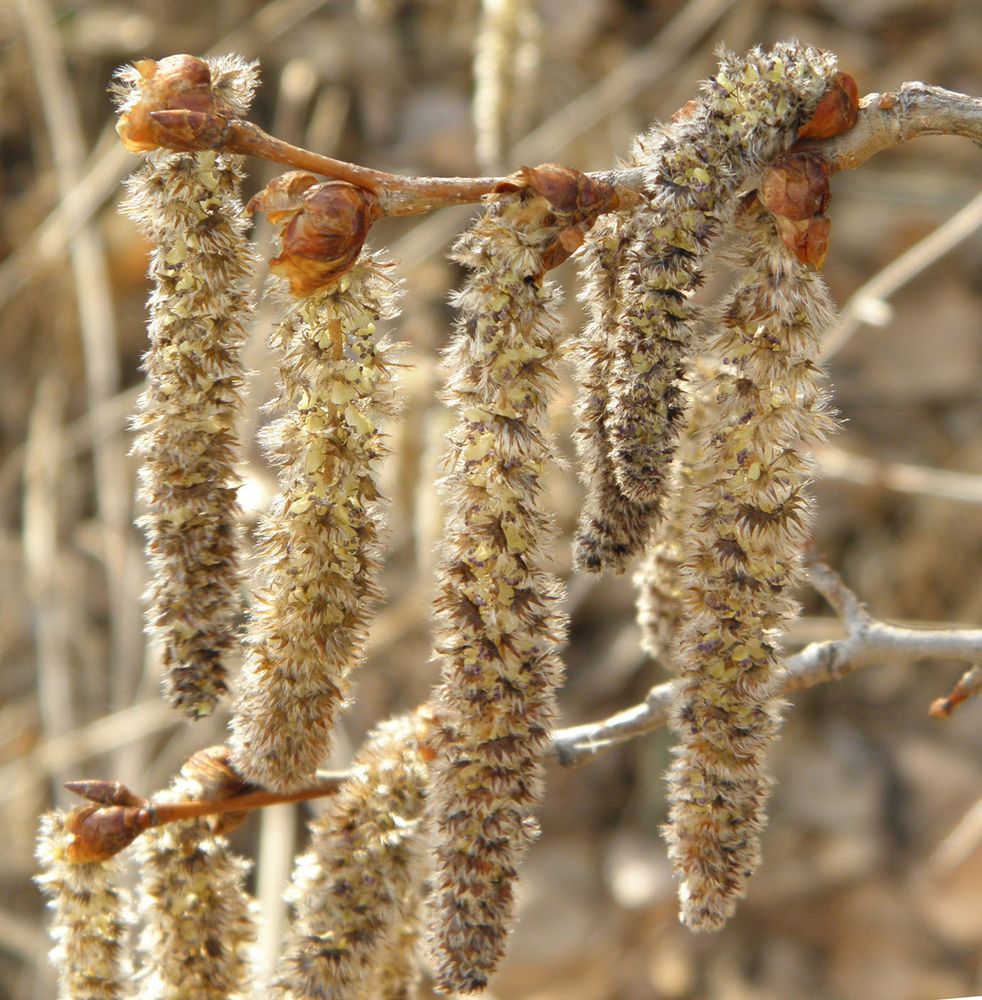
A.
pixel 356 893
pixel 498 624
pixel 611 528
pixel 750 111
pixel 658 580
pixel 319 551
pixel 743 532
pixel 198 922
pixel 91 917
pixel 188 206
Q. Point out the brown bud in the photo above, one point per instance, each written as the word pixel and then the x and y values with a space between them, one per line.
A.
pixel 99 832
pixel 324 237
pixel 106 793
pixel 887 101
pixel 280 199
pixel 807 239
pixel 177 82
pixel 795 185
pixel 566 189
pixel 837 111
pixel 212 769
pixel 189 131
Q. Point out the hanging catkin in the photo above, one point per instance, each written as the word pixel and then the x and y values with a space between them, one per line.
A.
pixel 749 112
pixel 498 627
pixel 188 206
pixel 743 531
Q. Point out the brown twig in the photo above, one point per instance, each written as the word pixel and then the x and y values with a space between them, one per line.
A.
pixel 885 120
pixel 969 685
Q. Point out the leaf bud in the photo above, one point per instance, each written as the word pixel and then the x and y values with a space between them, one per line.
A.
pixel 99 832
pixel 325 228
pixel 176 83
pixel 836 112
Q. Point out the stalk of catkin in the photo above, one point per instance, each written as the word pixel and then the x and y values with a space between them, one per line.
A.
pixel 91 916
pixel 498 624
pixel 319 549
pixel 356 893
pixel 611 527
pixel 188 207
pixel 749 112
pixel 744 529
pixel 198 921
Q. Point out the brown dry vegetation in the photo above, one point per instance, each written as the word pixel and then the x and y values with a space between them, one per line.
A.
pixel 872 879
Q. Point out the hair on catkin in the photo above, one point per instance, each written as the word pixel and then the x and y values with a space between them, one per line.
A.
pixel 188 206
pixel 744 529
pixel 750 111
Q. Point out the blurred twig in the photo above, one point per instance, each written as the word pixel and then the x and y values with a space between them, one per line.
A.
pixel 902 478
pixel 42 474
pixel 97 322
pixel 868 304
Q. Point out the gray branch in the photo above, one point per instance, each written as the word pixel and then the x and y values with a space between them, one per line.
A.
pixel 868 641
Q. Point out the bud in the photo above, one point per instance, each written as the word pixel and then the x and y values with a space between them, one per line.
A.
pixel 796 186
pixel 836 112
pixel 807 239
pixel 177 82
pixel 327 227
pixel 106 793
pixel 100 832
pixel 573 195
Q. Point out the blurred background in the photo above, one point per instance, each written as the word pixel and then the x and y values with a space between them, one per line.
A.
pixel 871 887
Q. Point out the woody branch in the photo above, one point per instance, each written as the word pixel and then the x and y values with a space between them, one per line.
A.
pixel 868 641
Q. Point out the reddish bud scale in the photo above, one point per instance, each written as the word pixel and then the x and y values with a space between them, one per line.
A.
pixel 178 82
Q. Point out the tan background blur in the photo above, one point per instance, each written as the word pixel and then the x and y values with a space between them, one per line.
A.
pixel 871 887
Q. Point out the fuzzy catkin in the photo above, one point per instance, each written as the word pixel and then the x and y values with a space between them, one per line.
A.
pixel 91 917
pixel 188 206
pixel 658 580
pixel 743 535
pixel 749 112
pixel 611 528
pixel 319 551
pixel 198 921
pixel 498 626
pixel 356 893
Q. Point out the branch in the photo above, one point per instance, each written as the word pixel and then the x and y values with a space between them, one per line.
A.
pixel 868 641
pixel 885 120
pixel 118 816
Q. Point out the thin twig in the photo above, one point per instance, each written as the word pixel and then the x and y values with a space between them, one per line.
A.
pixel 969 686
pixel 867 305
pixel 869 643
pixel 963 487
